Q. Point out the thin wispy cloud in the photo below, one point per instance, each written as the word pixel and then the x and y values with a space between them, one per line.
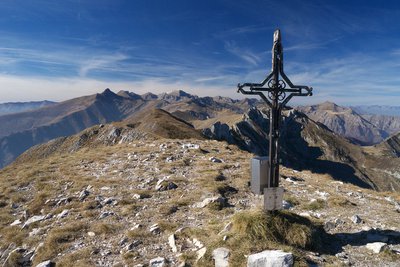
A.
pixel 244 54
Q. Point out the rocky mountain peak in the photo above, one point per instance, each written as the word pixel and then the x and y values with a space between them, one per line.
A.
pixel 107 94
pixel 177 95
pixel 130 95
pixel 149 96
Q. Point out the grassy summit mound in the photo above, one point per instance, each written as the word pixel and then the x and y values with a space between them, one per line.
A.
pixel 255 231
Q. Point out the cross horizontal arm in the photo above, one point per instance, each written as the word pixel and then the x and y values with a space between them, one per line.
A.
pixel 291 85
pixel 283 104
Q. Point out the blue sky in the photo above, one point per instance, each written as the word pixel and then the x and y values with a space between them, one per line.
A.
pixel 349 51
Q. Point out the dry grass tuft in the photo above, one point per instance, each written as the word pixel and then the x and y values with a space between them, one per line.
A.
pixel 256 231
pixel 339 201
pixel 315 205
pixel 80 258
pixel 105 228
pixel 58 239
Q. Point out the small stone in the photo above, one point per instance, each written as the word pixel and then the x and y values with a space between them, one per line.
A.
pixel 198 243
pixel 397 206
pixel 105 253
pixel 34 232
pixel 109 201
pixel 63 214
pixel 201 252
pixel 221 257
pixel 286 205
pixel 376 247
pixel 338 222
pixel 106 214
pixel 172 244
pixel 46 264
pixel 190 146
pixel 157 262
pixel 33 219
pixel 83 194
pixel 91 234
pixel 16 222
pixel 222 201
pixel 356 219
pixel 132 245
pixel 163 185
pixel 270 258
pixel 329 226
pixel 137 196
pixel 136 226
pixel 215 160
pixel 155 229
pixel 123 241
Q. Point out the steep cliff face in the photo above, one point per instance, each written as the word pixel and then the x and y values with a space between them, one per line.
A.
pixel 388 124
pixel 306 144
pixel 391 146
pixel 345 122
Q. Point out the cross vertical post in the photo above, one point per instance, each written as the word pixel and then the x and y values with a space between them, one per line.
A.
pixel 276 99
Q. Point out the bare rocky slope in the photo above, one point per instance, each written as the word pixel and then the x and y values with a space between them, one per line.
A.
pixel 307 144
pixel 389 124
pixel 133 193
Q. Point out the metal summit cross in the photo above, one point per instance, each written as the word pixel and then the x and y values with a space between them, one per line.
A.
pixel 265 170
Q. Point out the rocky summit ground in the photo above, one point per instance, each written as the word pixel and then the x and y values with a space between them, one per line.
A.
pixel 176 200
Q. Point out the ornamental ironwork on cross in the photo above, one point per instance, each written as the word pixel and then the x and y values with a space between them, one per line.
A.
pixel 279 90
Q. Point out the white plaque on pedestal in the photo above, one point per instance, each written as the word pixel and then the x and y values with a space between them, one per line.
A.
pixel 273 197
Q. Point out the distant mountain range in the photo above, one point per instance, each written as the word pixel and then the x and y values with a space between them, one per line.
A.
pixel 14 107
pixel 377 110
pixel 359 128
pixel 323 138
pixel 20 131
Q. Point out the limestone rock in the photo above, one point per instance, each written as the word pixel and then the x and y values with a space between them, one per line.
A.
pixel 270 258
pixel 63 214
pixel 201 252
pixel 356 219
pixel 215 160
pixel 157 262
pixel 91 234
pixel 106 214
pixel 172 244
pixel 83 194
pixel 207 201
pixel 155 229
pixel 286 205
pixel 131 246
pixel 16 222
pixel 221 257
pixel 46 264
pixel 163 185
pixel 376 247
pixel 33 219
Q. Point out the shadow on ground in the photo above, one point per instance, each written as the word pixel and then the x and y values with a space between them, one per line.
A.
pixel 334 243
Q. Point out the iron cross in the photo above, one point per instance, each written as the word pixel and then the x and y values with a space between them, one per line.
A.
pixel 279 92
